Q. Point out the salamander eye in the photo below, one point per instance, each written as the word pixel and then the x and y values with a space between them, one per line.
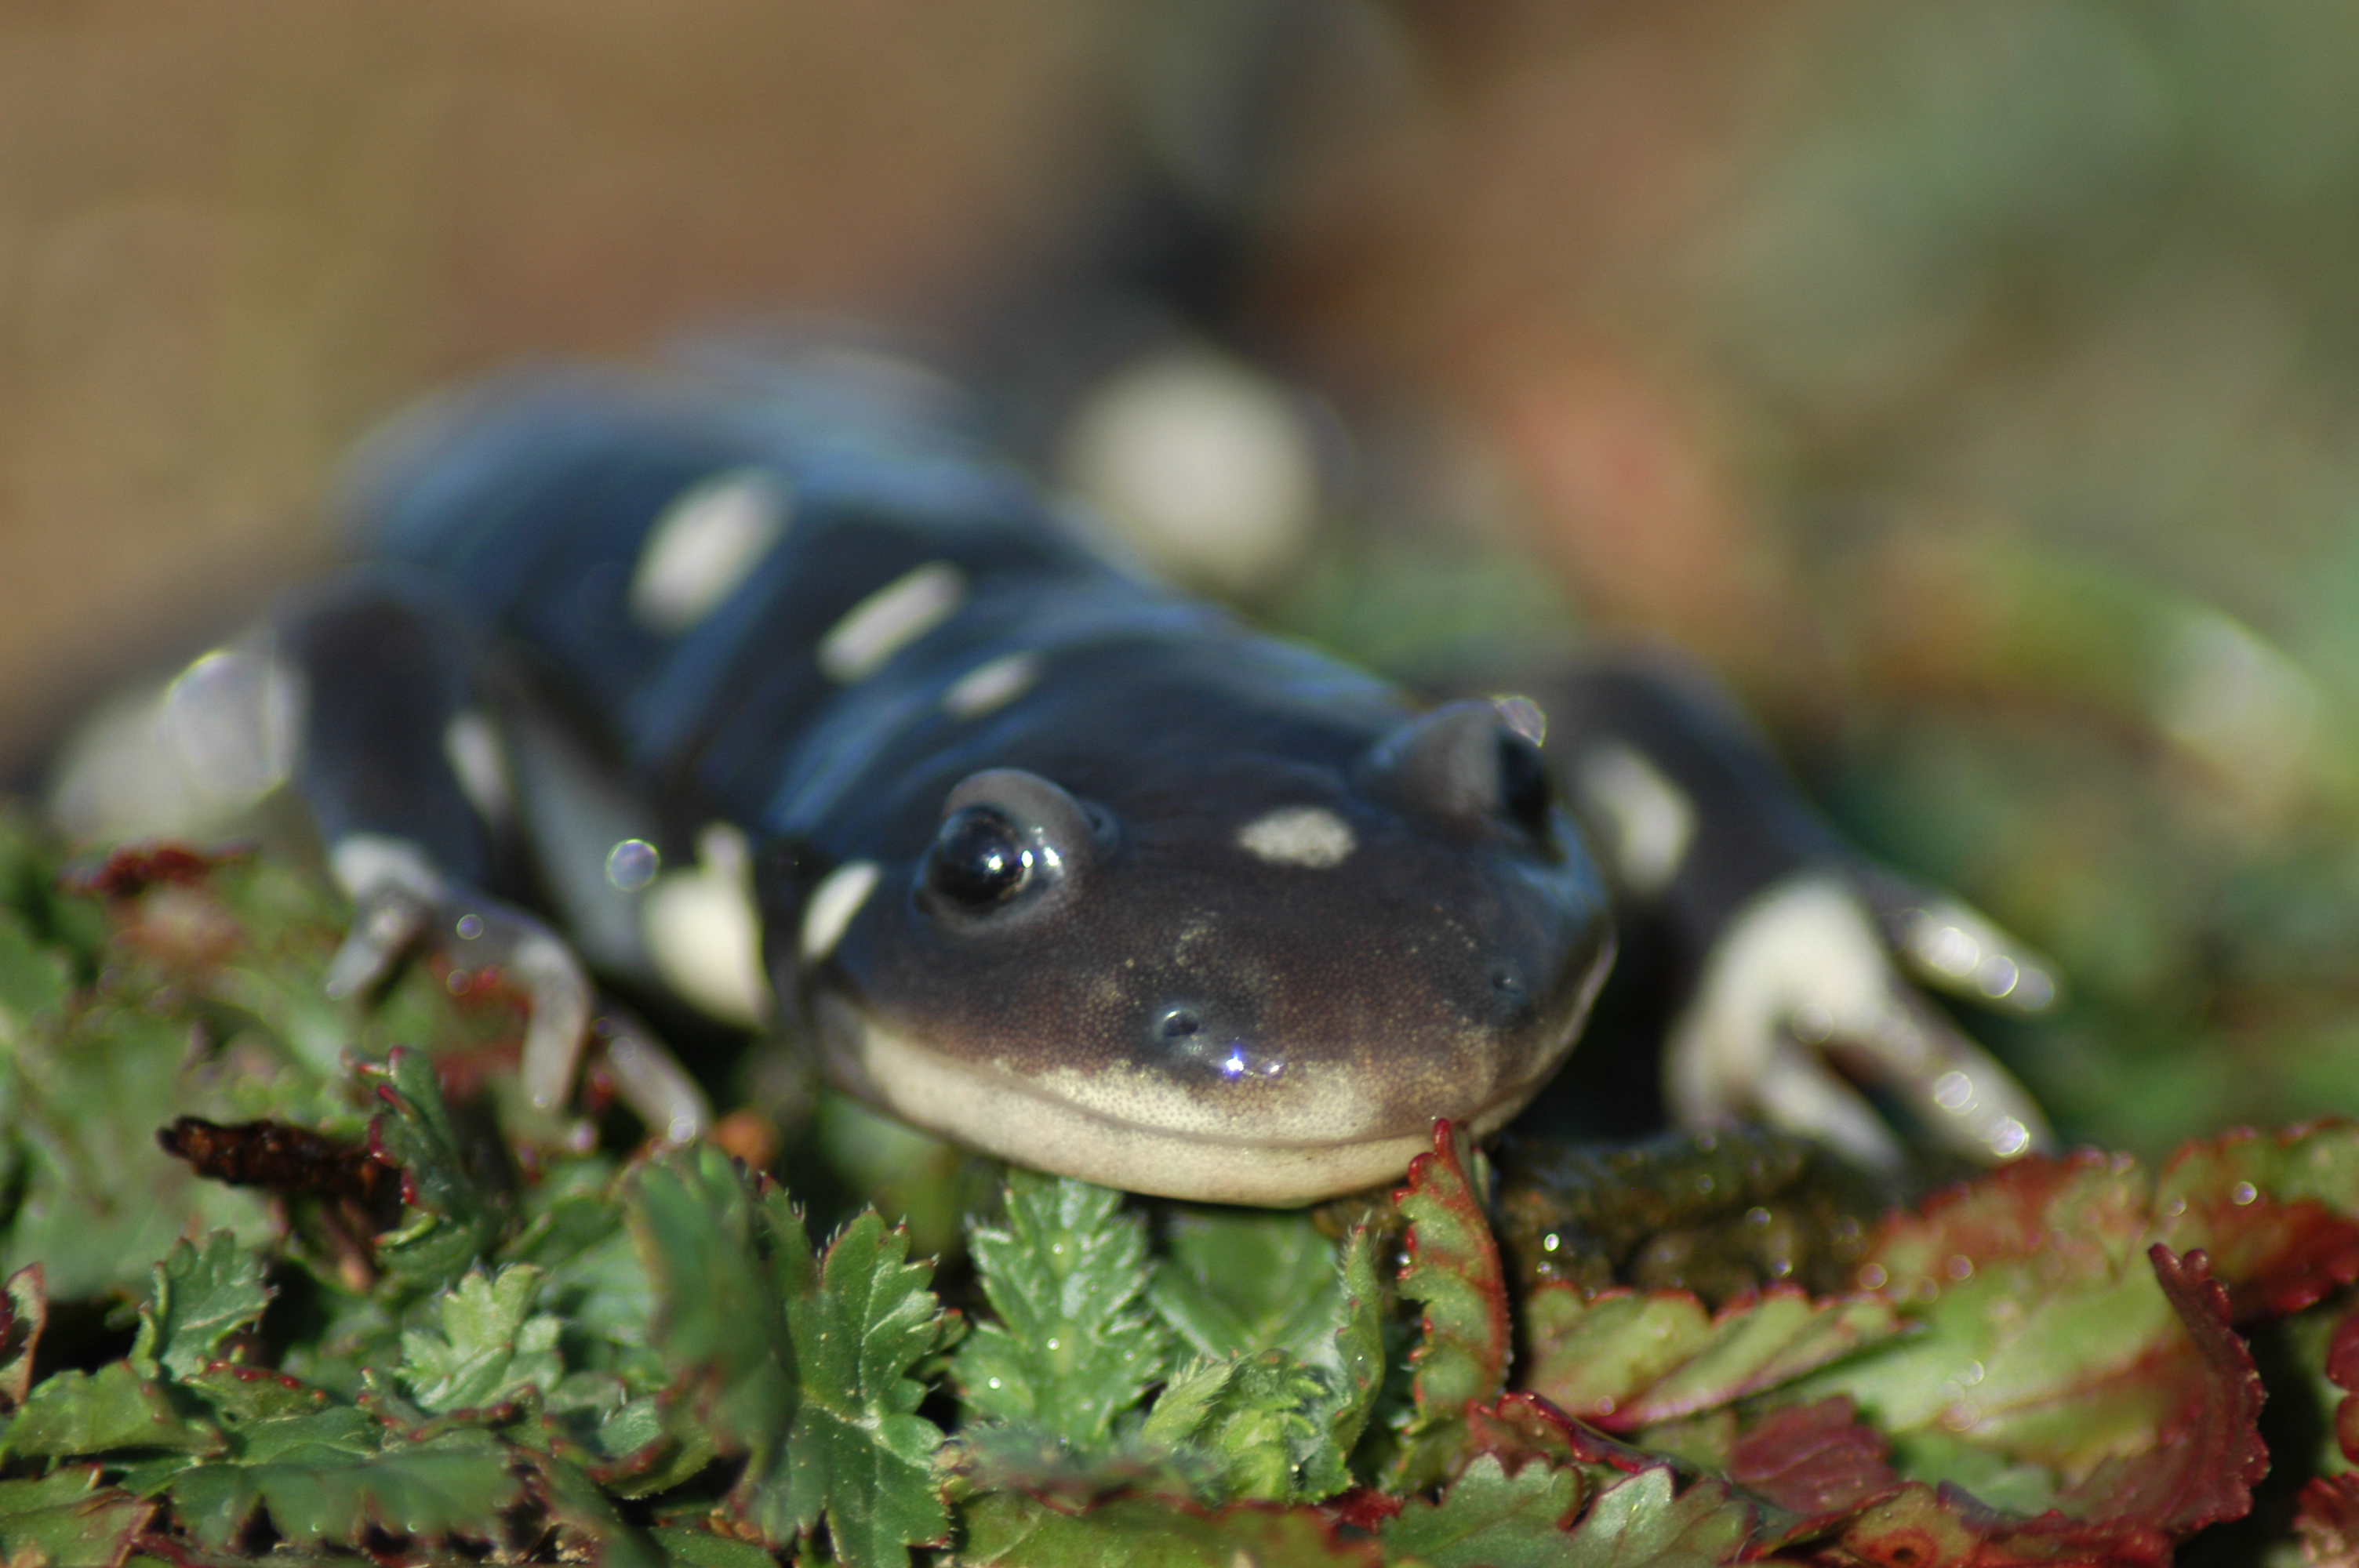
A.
pixel 979 859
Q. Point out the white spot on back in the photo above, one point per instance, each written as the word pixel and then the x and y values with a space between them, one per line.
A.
pixel 1649 819
pixel 703 934
pixel 473 749
pixel 229 719
pixel 890 619
pixel 707 541
pixel 1308 835
pixel 992 686
pixel 832 905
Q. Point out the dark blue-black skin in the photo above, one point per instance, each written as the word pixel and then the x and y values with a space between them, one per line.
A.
pixel 1195 911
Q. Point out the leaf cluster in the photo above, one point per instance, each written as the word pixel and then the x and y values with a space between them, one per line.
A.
pixel 399 1316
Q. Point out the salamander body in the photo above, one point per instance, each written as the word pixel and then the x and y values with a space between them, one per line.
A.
pixel 778 691
pixel 1046 859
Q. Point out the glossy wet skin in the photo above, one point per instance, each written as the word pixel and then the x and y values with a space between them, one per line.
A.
pixel 1238 951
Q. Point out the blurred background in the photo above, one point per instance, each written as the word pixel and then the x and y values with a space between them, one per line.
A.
pixel 1974 384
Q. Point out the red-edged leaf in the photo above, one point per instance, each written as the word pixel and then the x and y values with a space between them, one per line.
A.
pixel 1526 1426
pixel 1816 1461
pixel 1919 1528
pixel 1622 1359
pixel 2208 1457
pixel 24 1314
pixel 2342 1371
pixel 2278 1213
pixel 1453 1269
pixel 2327 1521
pixel 1157 1533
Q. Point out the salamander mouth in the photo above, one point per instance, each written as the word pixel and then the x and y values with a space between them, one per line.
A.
pixel 1031 1123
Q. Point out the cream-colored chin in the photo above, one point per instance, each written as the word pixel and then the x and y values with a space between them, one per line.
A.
pixel 1003 1116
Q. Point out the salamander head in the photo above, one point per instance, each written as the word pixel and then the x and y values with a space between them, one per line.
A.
pixel 1256 981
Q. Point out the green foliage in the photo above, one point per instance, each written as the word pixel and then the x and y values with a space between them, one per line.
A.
pixel 803 1366
pixel 1489 1518
pixel 489 1343
pixel 200 1298
pixel 1071 1347
pixel 551 1347
pixel 448 1220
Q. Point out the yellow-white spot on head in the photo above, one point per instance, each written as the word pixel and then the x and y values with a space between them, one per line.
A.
pixel 703 934
pixel 473 749
pixel 707 543
pixel 832 905
pixel 1649 819
pixel 890 619
pixel 992 686
pixel 1308 835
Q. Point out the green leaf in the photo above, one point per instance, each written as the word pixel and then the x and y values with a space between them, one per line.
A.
pixel 1489 1518
pixel 321 1480
pixel 489 1342
pixel 1258 1420
pixel 66 1519
pixel 1239 1281
pixel 35 978
pixel 199 1299
pixel 858 1443
pixel 1622 1359
pixel 1279 1427
pixel 106 1411
pixel 1640 1524
pixel 1153 1532
pixel 688 1547
pixel 1071 1348
pixel 722 1261
pixel 589 1528
pixel 448 1220
pixel 802 1367
pixel 1453 1269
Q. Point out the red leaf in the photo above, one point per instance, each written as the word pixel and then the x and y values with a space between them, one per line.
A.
pixel 134 868
pixel 1526 1426
pixel 1816 1460
pixel 2206 1462
pixel 1453 1269
pixel 2342 1371
pixel 2328 1521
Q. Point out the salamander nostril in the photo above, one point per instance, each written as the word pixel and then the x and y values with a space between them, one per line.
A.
pixel 1180 1025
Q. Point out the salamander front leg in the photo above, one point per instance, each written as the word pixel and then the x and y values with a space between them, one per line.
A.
pixel 1783 958
pixel 400 902
pixel 1800 998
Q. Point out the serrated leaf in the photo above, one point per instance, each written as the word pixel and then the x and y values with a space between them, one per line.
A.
pixel 722 1260
pixel 1156 1533
pixel 1237 1282
pixel 489 1342
pixel 199 1299
pixel 1257 1422
pixel 448 1220
pixel 803 1366
pixel 1622 1359
pixel 113 1409
pixel 320 1486
pixel 858 1446
pixel 1276 1425
pixel 1072 1347
pixel 1489 1518
pixel 1639 1523
pixel 1453 1269
pixel 66 1519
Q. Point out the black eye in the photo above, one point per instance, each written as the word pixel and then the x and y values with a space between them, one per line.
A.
pixel 1523 781
pixel 978 858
